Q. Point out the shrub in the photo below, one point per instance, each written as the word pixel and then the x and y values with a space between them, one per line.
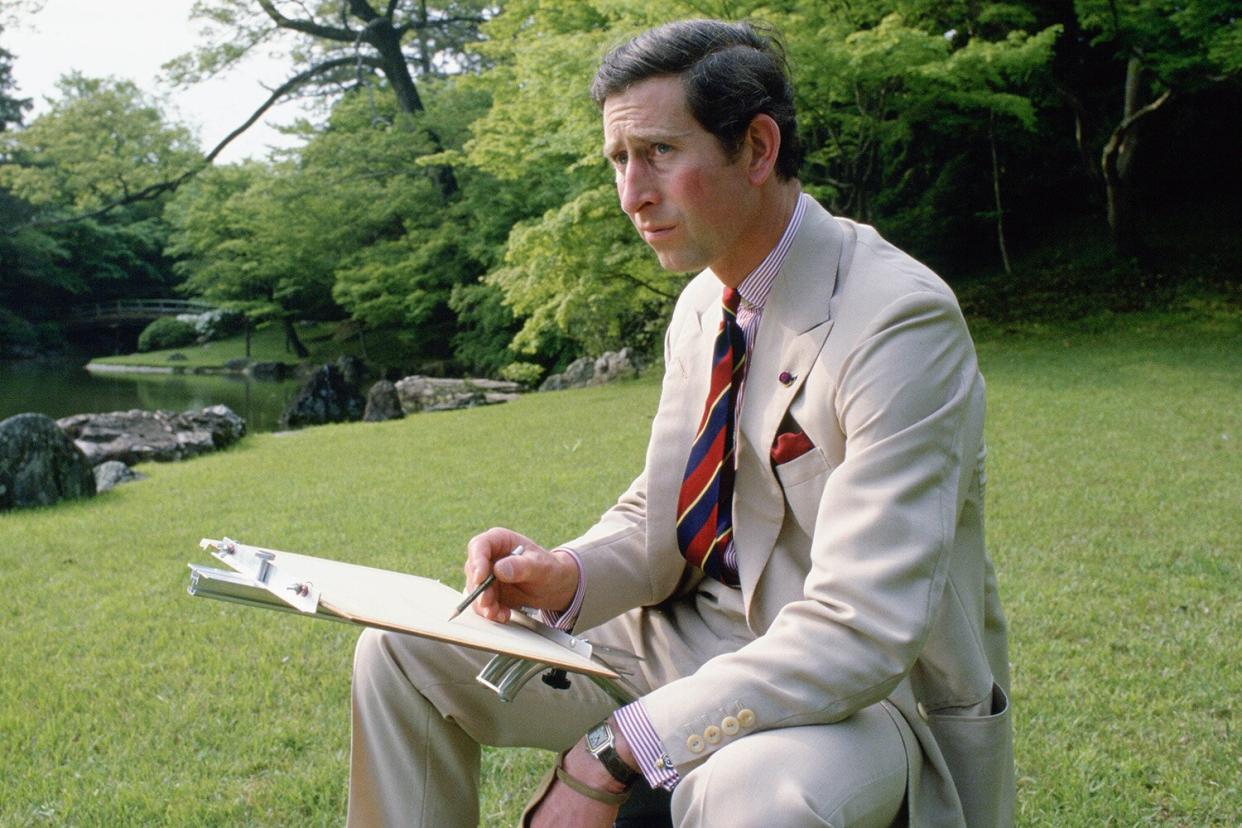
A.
pixel 214 324
pixel 166 332
pixel 527 373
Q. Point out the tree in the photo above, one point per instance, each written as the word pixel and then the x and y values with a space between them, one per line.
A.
pixel 103 139
pixel 12 108
pixel 1166 50
pixel 242 240
pixel 344 45
pixel 100 139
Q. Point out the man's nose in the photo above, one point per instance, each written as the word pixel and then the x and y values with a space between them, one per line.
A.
pixel 636 188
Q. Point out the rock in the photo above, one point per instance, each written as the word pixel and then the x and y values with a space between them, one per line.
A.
pixel 353 369
pixel 586 371
pixel 177 356
pixel 239 364
pixel 383 403
pixel 110 473
pixel 419 393
pixel 273 371
pixel 39 464
pixel 615 365
pixel 325 398
pixel 139 436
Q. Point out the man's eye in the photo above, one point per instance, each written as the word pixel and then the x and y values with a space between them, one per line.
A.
pixel 661 149
pixel 619 159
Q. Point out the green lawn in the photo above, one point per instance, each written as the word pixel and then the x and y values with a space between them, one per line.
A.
pixel 324 341
pixel 1114 519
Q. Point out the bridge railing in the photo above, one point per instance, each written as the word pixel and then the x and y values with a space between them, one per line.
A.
pixel 138 308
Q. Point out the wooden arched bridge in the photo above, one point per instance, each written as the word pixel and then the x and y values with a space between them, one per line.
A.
pixel 121 311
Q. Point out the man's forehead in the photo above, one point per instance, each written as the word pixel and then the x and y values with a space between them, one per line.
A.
pixel 654 109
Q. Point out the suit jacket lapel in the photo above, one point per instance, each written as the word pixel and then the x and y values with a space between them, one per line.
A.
pixel 796 322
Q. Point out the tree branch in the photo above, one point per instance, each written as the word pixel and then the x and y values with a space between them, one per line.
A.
pixel 161 187
pixel 309 27
pixel 641 283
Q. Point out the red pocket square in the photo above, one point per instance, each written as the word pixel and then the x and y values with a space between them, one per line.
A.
pixel 790 446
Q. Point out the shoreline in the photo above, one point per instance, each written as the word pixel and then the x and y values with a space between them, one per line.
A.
pixel 118 368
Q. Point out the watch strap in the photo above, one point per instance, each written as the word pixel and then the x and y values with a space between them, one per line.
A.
pixel 601 742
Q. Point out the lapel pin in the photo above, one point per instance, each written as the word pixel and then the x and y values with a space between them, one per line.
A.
pixel 786 378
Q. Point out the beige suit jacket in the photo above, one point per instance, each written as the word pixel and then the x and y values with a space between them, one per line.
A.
pixel 862 563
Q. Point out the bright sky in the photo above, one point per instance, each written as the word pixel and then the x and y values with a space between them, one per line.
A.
pixel 131 39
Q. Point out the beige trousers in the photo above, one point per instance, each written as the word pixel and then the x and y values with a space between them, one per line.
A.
pixel 419 718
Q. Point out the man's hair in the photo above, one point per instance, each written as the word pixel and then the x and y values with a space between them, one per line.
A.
pixel 731 72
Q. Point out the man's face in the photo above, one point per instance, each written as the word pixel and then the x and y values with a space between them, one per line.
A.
pixel 688 201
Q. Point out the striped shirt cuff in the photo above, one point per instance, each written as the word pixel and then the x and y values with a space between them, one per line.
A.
pixel 653 761
pixel 566 618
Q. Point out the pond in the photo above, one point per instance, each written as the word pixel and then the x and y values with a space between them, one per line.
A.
pixel 61 388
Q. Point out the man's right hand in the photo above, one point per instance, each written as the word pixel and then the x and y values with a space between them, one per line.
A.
pixel 538 578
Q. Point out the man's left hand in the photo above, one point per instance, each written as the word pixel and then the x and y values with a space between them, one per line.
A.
pixel 565 808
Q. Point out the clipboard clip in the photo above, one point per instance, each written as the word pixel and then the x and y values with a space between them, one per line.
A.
pixel 258 565
pixel 507 674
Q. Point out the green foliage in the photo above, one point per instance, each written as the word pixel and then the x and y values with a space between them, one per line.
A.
pixel 246 245
pixel 527 373
pixel 1183 45
pixel 103 139
pixel 1121 595
pixel 11 108
pixel 579 270
pixel 166 332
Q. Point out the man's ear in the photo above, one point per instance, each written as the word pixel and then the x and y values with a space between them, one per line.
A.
pixel 763 137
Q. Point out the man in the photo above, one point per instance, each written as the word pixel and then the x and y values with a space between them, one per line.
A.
pixel 801 562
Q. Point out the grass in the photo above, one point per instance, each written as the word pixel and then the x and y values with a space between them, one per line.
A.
pixel 1114 520
pixel 324 340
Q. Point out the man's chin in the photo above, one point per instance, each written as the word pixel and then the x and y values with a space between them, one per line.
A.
pixel 678 261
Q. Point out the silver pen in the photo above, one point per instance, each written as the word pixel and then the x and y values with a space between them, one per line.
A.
pixel 488 581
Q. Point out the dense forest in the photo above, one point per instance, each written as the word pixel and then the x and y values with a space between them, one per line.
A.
pixel 454 193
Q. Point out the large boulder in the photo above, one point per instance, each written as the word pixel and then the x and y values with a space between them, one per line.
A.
pixel 325 398
pixel 383 403
pixel 419 393
pixel 585 371
pixel 140 436
pixel 39 465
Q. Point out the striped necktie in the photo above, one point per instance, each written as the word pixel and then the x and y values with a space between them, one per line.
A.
pixel 705 505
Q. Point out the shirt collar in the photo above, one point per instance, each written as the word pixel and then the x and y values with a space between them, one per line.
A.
pixel 758 283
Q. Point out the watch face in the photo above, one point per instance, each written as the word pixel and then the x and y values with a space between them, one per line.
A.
pixel 597 738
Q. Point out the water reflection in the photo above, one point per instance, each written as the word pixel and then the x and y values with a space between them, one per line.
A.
pixel 59 389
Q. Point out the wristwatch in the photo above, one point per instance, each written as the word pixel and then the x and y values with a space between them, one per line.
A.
pixel 602 744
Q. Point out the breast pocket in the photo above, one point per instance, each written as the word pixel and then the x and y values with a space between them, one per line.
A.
pixel 802 480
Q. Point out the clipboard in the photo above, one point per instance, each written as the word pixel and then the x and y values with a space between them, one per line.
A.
pixel 405 603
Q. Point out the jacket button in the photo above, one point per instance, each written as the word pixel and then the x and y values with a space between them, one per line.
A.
pixel 695 743
pixel 922 708
pixel 712 735
pixel 729 725
pixel 746 717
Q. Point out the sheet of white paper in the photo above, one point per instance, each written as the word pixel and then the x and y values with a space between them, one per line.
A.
pixel 419 606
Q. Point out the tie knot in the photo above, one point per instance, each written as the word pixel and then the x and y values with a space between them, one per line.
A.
pixel 732 299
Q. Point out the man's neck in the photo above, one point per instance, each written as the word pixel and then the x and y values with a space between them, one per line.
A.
pixel 773 209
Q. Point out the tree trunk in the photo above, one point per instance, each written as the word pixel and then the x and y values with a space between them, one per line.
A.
pixel 383 36
pixel 292 341
pixel 1117 159
pixel 996 193
pixel 249 333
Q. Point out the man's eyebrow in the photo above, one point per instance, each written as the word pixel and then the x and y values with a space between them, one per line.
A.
pixel 652 136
